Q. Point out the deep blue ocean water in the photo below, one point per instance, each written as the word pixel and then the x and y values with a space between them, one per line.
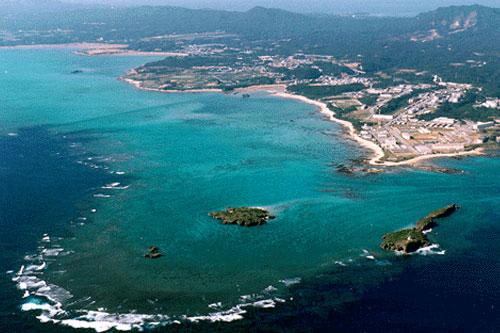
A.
pixel 67 140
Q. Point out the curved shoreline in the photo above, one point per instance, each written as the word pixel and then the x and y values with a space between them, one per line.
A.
pixel 137 84
pixel 417 159
pixel 279 90
pixel 94 49
pixel 377 151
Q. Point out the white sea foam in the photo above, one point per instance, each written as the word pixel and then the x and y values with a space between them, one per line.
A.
pixel 48 311
pixel 103 321
pixel 30 283
pixel 51 302
pixel 291 281
pixel 34 257
pixel 36 306
pixel 54 293
pixel 217 305
pixel 425 251
pixel 270 289
pixel 245 298
pixel 52 310
pixel 368 255
pixel 235 313
pixel 430 250
pixel 427 231
pixel 115 187
pixel 46 319
pixel 265 304
pixel 52 252
pixel 101 195
pixel 40 267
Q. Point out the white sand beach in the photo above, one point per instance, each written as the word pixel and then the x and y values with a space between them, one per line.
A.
pixel 279 90
pixel 95 49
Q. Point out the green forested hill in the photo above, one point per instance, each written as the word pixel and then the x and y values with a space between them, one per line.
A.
pixel 460 43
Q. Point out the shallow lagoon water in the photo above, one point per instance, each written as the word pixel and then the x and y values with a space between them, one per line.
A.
pixel 178 157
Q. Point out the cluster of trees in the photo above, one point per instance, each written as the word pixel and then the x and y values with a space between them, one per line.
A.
pixel 318 92
pixel 398 103
pixel 465 109
pixel 380 43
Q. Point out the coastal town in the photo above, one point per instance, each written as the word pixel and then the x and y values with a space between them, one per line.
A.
pixel 404 134
pixel 225 166
pixel 402 108
pixel 402 115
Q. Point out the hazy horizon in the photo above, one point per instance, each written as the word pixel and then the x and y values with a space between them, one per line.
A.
pixel 379 7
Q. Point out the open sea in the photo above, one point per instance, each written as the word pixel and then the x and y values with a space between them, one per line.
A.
pixel 93 172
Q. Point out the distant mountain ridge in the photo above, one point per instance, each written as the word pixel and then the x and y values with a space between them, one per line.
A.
pixel 449 20
pixel 430 41
pixel 129 23
pixel 258 20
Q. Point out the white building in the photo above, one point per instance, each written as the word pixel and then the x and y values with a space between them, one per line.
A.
pixel 444 121
pixel 447 147
pixel 491 103
pixel 382 117
pixel 483 126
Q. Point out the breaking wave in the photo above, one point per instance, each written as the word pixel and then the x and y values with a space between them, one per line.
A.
pixel 52 303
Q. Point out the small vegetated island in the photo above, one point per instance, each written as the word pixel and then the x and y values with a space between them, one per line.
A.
pixel 412 239
pixel 243 216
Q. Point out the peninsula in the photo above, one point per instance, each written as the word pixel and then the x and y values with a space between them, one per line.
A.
pixel 408 89
pixel 404 116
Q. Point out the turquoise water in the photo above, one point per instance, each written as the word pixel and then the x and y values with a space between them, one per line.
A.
pixel 177 157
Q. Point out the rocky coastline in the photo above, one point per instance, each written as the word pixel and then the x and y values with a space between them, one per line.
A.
pixel 412 239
